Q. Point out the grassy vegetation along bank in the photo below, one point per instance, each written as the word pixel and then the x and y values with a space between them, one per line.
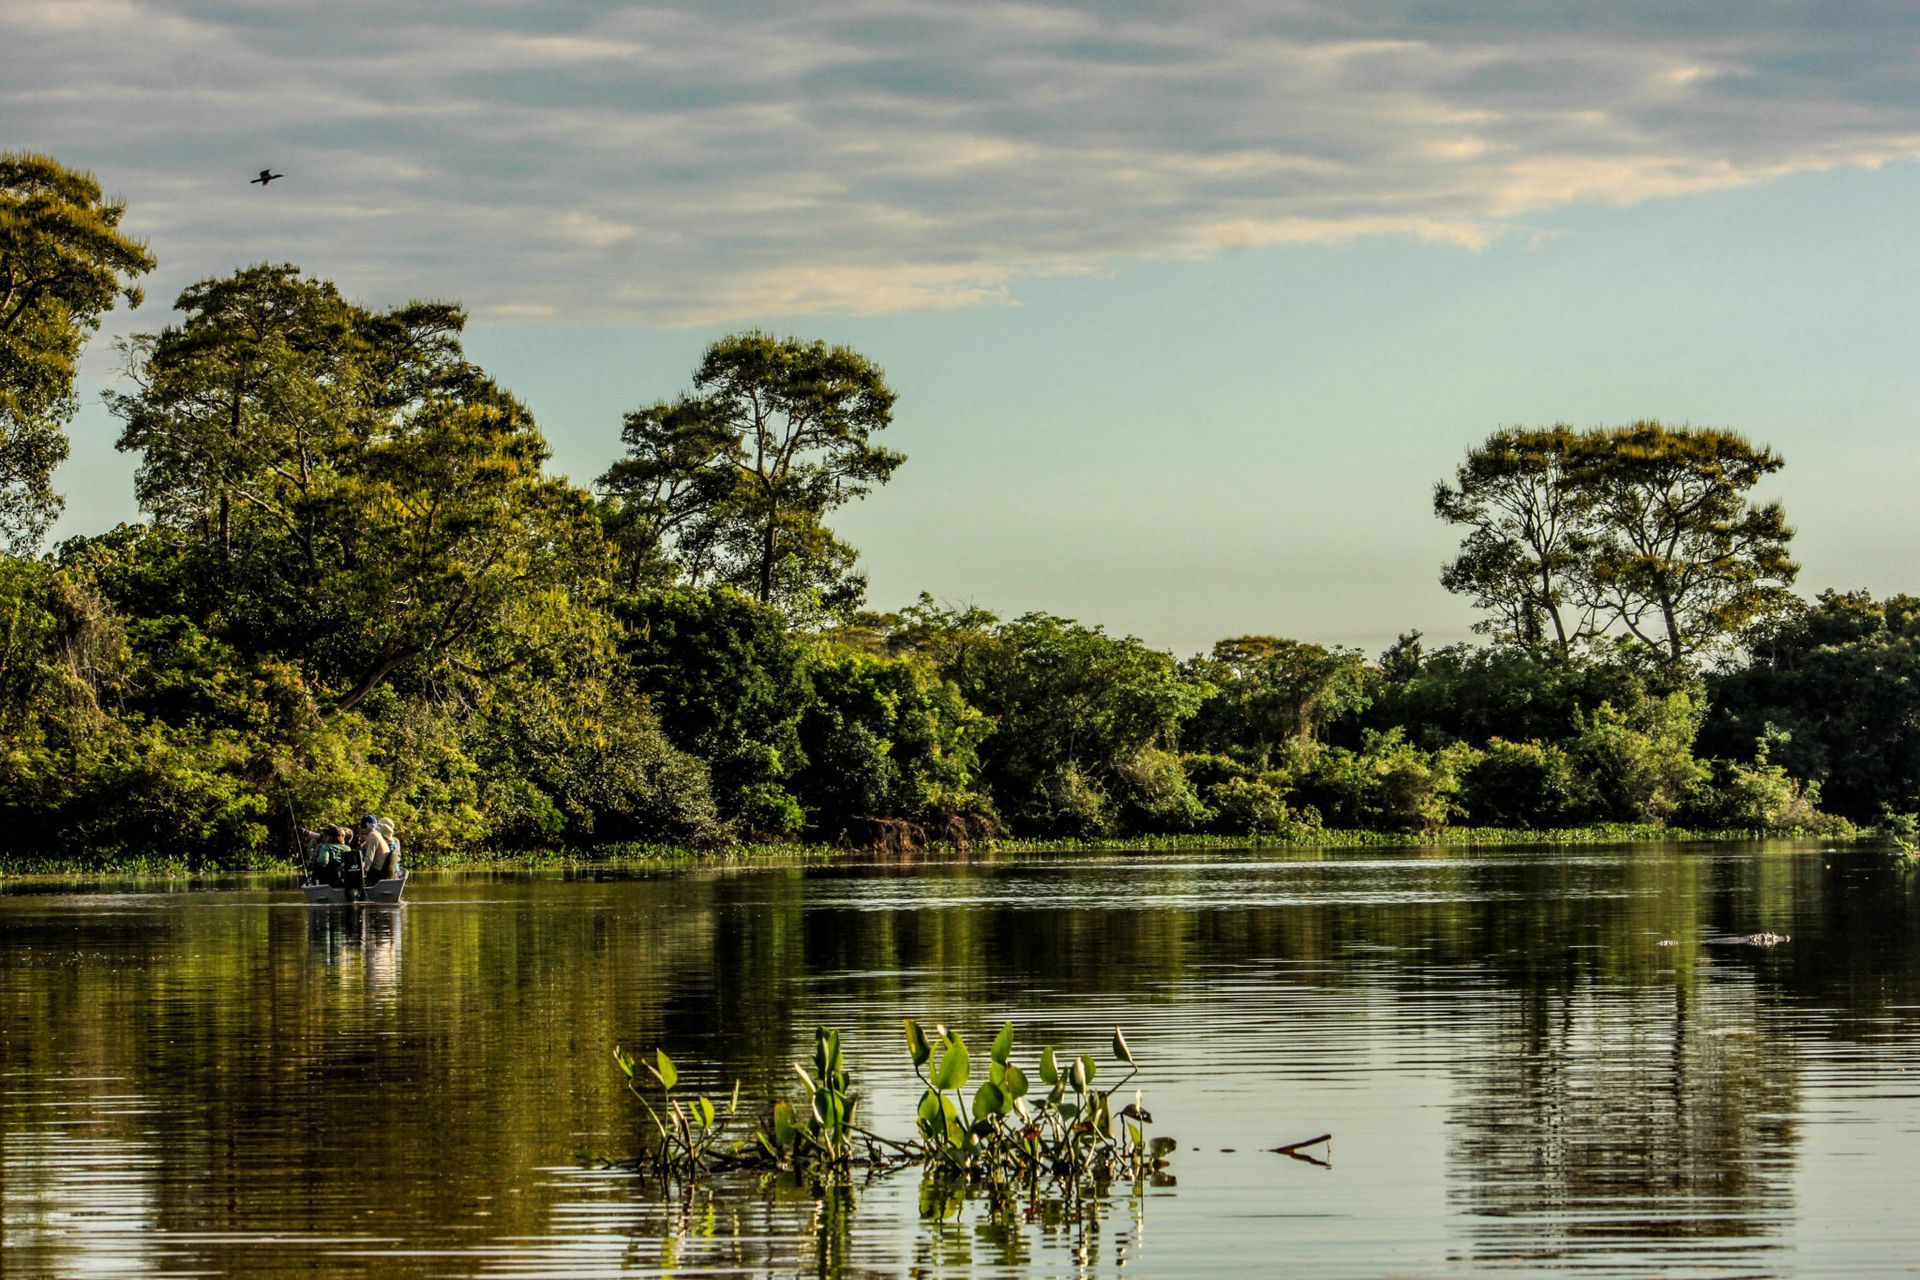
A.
pixel 667 857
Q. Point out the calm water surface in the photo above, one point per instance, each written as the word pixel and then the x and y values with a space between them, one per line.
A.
pixel 1531 1062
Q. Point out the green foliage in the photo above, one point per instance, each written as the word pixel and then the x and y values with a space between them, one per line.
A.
pixel 1073 707
pixel 1150 792
pixel 1267 691
pixel 1525 551
pixel 732 485
pixel 1644 531
pixel 687 1127
pixel 1015 1130
pixel 818 1141
pixel 1066 801
pixel 64 263
pixel 358 497
pixel 1762 796
pixel 1841 680
pixel 1022 1126
pixel 1388 784
pixel 888 738
pixel 1475 695
pixel 1638 764
pixel 1522 784
pixel 729 684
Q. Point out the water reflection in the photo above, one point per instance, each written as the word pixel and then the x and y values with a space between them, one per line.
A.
pixel 360 946
pixel 1530 1060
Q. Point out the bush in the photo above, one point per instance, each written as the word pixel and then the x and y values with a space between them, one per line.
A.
pixel 1761 796
pixel 1067 803
pixel 1389 784
pixel 1520 784
pixel 888 739
pixel 1152 793
pixel 1639 765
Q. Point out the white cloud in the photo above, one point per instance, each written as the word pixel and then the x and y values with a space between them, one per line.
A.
pixel 717 160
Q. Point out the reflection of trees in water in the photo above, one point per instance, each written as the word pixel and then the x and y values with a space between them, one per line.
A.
pixel 1597 1118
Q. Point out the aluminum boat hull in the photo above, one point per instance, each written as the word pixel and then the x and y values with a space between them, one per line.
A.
pixel 378 893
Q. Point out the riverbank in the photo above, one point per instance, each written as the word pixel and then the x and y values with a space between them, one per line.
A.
pixel 667 856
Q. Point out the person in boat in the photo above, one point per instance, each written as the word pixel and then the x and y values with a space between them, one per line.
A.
pixel 381 857
pixel 327 855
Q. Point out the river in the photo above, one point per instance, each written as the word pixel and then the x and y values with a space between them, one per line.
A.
pixel 1532 1061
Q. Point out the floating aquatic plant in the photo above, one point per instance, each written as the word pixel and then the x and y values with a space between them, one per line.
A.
pixel 1017 1129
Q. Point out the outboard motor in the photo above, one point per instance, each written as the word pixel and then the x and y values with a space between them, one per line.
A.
pixel 353 874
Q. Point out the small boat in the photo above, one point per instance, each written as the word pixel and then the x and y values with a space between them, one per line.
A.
pixel 379 893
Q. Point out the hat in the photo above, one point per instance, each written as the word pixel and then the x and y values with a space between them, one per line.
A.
pixel 369 821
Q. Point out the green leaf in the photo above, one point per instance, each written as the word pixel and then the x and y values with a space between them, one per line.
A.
pixel 1120 1049
pixel 1015 1085
pixel 783 1125
pixel 1081 1073
pixel 929 1114
pixel 1093 1069
pixel 1003 1044
pixel 988 1101
pixel 666 1073
pixel 703 1111
pixel 1048 1071
pixel 954 1066
pixel 917 1044
pixel 624 1061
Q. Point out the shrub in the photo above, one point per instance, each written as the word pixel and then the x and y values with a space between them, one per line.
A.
pixel 1151 793
pixel 1639 763
pixel 1520 784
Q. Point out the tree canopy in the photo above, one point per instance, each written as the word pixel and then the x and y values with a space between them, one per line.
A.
pixel 64 263
pixel 1644 532
pixel 733 483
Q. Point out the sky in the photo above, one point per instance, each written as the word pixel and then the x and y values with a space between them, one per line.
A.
pixel 1188 305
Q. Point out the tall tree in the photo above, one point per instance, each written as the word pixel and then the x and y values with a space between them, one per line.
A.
pixel 64 263
pixel 1523 554
pixel 363 497
pixel 735 482
pixel 1646 532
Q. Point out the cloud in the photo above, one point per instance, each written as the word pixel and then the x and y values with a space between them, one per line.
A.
pixel 720 161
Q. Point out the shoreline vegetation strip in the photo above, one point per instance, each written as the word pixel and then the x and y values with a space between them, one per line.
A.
pixel 643 856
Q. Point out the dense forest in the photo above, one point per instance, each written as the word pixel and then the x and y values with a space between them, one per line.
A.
pixel 356 588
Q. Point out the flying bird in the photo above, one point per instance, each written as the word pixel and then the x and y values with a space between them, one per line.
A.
pixel 266 176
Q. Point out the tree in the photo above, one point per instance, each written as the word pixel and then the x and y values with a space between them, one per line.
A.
pixel 64 263
pixel 1644 531
pixel 730 685
pixel 1835 692
pixel 733 484
pixel 1268 690
pixel 888 741
pixel 1680 556
pixel 1078 714
pixel 359 497
pixel 667 493
pixel 1522 557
